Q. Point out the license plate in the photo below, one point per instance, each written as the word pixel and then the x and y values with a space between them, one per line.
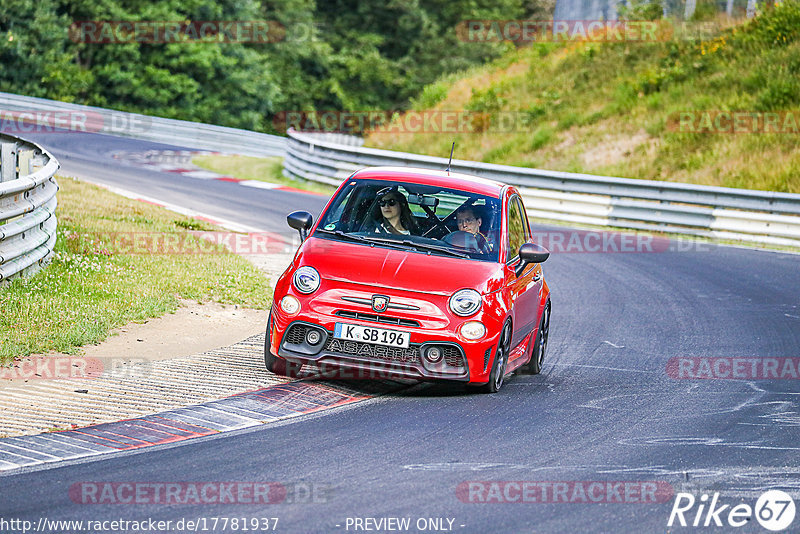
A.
pixel 368 334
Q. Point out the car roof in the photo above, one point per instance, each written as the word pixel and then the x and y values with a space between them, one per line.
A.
pixel 454 180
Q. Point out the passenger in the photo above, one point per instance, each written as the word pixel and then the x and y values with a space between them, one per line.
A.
pixel 395 216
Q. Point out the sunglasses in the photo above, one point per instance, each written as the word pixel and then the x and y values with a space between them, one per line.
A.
pixel 389 202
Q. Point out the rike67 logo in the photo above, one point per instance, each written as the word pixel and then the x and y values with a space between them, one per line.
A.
pixel 774 510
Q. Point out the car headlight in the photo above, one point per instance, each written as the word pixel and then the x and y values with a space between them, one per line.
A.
pixel 465 302
pixel 473 330
pixel 290 305
pixel 306 279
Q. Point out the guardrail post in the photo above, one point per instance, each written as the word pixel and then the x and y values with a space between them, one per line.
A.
pixel 25 162
pixel 38 161
pixel 8 162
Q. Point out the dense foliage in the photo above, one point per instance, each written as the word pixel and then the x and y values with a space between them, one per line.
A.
pixel 336 54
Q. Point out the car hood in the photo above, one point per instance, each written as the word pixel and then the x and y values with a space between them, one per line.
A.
pixel 398 269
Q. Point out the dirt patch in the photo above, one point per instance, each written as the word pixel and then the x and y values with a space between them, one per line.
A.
pixel 613 150
pixel 193 328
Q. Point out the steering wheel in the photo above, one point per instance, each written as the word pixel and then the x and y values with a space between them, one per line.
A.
pixel 467 241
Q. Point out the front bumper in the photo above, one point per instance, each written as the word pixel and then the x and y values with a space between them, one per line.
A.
pixel 462 360
pixel 377 359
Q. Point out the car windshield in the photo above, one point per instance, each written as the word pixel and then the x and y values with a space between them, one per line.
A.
pixel 420 218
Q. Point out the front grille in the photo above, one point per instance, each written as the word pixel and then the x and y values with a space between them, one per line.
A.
pixel 452 356
pixel 385 319
pixel 296 334
pixel 392 305
pixel 380 352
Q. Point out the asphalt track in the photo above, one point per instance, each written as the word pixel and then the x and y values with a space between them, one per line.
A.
pixel 605 408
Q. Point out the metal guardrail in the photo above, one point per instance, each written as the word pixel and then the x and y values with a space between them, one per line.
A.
pixel 697 210
pixel 27 207
pixel 717 212
pixel 32 114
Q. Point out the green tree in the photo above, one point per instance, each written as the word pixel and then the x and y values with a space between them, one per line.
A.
pixel 36 55
pixel 337 54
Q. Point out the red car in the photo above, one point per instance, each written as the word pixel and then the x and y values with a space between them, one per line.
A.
pixel 430 275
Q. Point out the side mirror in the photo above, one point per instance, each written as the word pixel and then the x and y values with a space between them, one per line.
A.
pixel 531 253
pixel 300 221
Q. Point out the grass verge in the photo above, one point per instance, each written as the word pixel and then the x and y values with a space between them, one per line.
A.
pixel 94 285
pixel 261 169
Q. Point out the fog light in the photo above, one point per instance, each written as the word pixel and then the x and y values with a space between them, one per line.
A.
pixel 433 354
pixel 473 330
pixel 290 305
pixel 313 337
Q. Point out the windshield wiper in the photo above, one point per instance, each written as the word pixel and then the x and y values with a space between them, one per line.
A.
pixel 424 246
pixel 361 239
pixel 434 248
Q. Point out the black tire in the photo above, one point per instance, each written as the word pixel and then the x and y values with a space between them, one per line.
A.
pixel 534 367
pixel 500 363
pixel 277 365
